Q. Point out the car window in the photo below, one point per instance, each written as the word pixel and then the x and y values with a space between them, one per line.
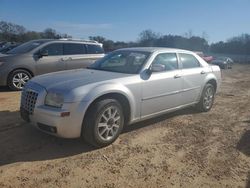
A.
pixel 129 62
pixel 73 49
pixel 189 61
pixel 94 49
pixel 26 47
pixel 53 49
pixel 167 59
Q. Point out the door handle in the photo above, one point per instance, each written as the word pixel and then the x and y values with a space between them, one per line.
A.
pixel 177 76
pixel 203 72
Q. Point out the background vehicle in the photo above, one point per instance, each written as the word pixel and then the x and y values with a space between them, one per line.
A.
pixel 37 57
pixel 2 44
pixel 208 59
pixel 223 62
pixel 126 86
pixel 8 47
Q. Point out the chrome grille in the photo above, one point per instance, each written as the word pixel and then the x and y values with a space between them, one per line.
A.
pixel 28 100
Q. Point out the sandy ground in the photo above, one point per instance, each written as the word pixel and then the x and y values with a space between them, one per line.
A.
pixel 182 149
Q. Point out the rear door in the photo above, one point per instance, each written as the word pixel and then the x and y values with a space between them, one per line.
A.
pixel 53 62
pixel 193 74
pixel 76 55
pixel 95 52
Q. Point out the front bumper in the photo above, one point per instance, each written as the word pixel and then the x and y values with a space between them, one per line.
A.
pixel 50 120
pixel 64 122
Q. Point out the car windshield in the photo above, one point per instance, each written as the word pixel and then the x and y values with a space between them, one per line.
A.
pixel 26 47
pixel 128 62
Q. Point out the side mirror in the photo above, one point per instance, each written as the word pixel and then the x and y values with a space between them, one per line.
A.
pixel 40 54
pixel 158 68
pixel 44 53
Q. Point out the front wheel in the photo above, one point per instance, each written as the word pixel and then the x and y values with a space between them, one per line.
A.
pixel 207 98
pixel 17 79
pixel 103 122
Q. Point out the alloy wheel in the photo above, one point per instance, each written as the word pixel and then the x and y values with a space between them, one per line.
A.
pixel 109 123
pixel 20 79
pixel 208 98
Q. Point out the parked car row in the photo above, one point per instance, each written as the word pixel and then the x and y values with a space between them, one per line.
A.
pixel 222 62
pixel 36 57
pixel 6 46
pixel 3 44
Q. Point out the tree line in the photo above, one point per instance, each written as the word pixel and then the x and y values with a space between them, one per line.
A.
pixel 150 38
pixel 16 33
pixel 236 45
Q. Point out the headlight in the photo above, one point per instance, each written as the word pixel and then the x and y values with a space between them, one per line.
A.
pixel 54 99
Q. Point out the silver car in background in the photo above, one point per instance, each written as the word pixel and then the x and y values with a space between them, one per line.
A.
pixel 42 56
pixel 124 87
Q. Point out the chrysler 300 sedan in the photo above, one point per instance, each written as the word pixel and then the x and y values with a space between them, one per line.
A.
pixel 126 86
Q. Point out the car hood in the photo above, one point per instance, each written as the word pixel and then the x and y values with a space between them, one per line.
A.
pixel 68 80
pixel 3 55
pixel 9 57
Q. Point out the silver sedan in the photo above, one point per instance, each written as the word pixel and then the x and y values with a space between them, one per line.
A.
pixel 124 87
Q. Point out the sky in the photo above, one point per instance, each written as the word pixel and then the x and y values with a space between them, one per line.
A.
pixel 123 20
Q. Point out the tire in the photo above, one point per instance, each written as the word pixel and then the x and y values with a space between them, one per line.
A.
pixel 102 119
pixel 207 98
pixel 18 78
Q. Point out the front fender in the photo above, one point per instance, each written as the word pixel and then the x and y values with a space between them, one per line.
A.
pixel 109 88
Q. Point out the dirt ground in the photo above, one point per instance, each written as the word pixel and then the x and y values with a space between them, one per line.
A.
pixel 182 149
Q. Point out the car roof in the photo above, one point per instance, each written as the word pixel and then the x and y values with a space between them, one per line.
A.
pixel 156 49
pixel 68 41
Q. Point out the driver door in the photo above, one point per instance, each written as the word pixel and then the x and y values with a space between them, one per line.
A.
pixel 53 60
pixel 161 91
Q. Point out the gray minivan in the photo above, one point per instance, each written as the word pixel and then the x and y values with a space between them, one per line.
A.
pixel 42 56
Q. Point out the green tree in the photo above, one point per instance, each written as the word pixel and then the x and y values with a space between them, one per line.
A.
pixel 148 38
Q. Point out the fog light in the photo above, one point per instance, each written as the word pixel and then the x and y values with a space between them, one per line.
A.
pixel 47 128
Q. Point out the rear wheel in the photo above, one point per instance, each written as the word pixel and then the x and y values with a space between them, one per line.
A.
pixel 18 78
pixel 103 123
pixel 207 98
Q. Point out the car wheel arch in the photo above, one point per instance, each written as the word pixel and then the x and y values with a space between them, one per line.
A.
pixel 25 69
pixel 212 79
pixel 213 82
pixel 121 98
pixel 18 84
